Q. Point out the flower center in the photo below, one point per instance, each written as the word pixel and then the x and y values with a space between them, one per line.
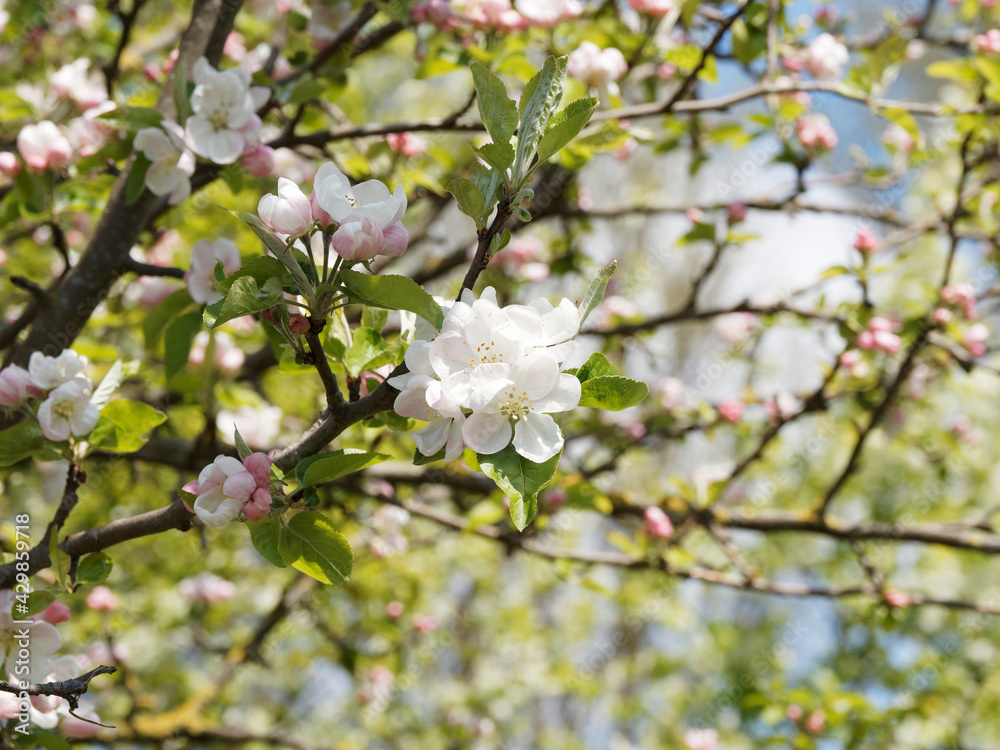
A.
pixel 516 406
pixel 219 118
pixel 63 409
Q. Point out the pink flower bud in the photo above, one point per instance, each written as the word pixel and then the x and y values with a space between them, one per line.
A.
pixel 298 323
pixel 736 212
pixel 406 144
pixel 259 162
pixel 259 505
pixel 942 316
pixel 794 712
pixel 43 147
pixel 656 524
pixel 666 71
pixel 816 721
pixel 555 499
pixel 887 341
pixel 424 623
pixel 975 339
pixel 865 242
pixel 102 598
pixel 394 609
pixel 288 212
pixel 988 42
pixel 731 410
pixel 850 358
pixel 15 386
pixel 866 340
pixel 57 612
pixel 358 240
pixel 9 165
pixel 395 238
pixel 191 487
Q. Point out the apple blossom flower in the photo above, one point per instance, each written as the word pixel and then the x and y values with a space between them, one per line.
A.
pixel 495 14
pixel 406 144
pixel 437 12
pixel 988 42
pixel 898 138
pixel 229 358
pixel 81 83
pixel 975 339
pixel 597 67
pixel 794 712
pixel 962 295
pixel 424 398
pixel 9 165
pixel 394 609
pixel 653 8
pixel 815 132
pixel 656 524
pixel 943 316
pixel 103 598
pixel 223 102
pixel 533 390
pixel 43 146
pixel 701 739
pixel 816 721
pixel 16 386
pixel 424 623
pixel 171 166
pixel 666 71
pixel 224 487
pixel 826 58
pixel 68 410
pixel 205 254
pixel 288 212
pixel 865 241
pixel 731 410
pixel 896 598
pixel 207 588
pixel 335 195
pixel 259 161
pixel 547 13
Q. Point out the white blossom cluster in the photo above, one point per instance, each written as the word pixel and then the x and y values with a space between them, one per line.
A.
pixel 491 374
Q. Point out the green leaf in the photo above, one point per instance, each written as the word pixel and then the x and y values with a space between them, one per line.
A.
pixel 241 445
pixel 19 442
pixel 157 320
pixel 539 100
pixel 523 214
pixel 612 393
pixel 374 318
pixel 136 178
pixel 123 425
pixel 246 298
pixel 392 293
pixel 595 367
pixel 565 126
pixel 961 69
pixel 38 601
pixel 265 535
pixel 261 269
pixel 497 155
pixel 325 467
pixel 520 479
pixel 311 545
pixel 470 200
pixel 132 118
pixel 305 91
pixel 595 291
pixel 496 109
pixel 177 341
pixel 94 568
pixel 419 459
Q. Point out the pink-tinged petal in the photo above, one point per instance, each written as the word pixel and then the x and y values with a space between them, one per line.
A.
pixel 259 466
pixel 395 238
pixel 45 638
pixel 53 427
pixel 84 418
pixel 240 486
pixel 537 437
pixel 486 433
pixel 565 395
pixel 229 465
pixel 411 402
pixel 431 438
pixel 217 510
pixel 56 612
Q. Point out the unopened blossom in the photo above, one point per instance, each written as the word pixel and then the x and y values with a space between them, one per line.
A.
pixel 816 721
pixel 988 42
pixel 495 14
pixel 736 212
pixel 258 161
pixel 880 335
pixel 68 410
pixel 962 295
pixel 815 132
pixel 701 739
pixel 437 12
pixel 394 610
pixel 733 328
pixel 16 386
pixel 424 623
pixel 224 487
pixel 975 339
pixel 943 316
pixel 103 598
pixel 654 8
pixel 223 102
pixel 288 212
pixel 731 410
pixel 43 146
pixel 898 138
pixel 656 524
pixel 207 588
pixel 56 612
pixel 205 254
pixel 826 58
pixel 532 391
pixel 171 164
pixel 9 165
pixel 865 241
pixel 794 712
pixel 406 144
pixel 597 67
pixel 80 82
pixel 897 598
pixel 547 13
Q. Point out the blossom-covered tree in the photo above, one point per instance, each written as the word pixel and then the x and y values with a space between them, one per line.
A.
pixel 498 374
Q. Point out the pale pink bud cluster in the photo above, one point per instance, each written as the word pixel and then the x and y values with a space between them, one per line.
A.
pixel 205 254
pixel 227 357
pixel 736 212
pixel 9 165
pixel 656 524
pixel 880 335
pixel 103 599
pixel 228 486
pixel 815 132
pixel 733 328
pixel 43 146
pixel 731 410
pixel 547 13
pixel 653 8
pixel 595 66
pixel 975 339
pixel 826 58
pixel 406 144
pixel 988 42
pixel 962 296
pixel 866 241
pixel 207 588
pixel 437 12
pixel 495 14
